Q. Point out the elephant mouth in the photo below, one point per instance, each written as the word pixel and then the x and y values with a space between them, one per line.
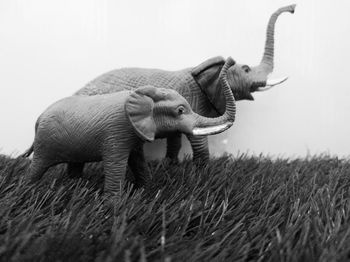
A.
pixel 260 86
pixel 271 83
pixel 211 130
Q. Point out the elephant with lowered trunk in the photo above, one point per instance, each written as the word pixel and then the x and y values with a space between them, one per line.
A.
pixel 108 127
pixel 199 85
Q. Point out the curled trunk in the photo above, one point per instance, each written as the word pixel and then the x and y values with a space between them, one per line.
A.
pixel 211 126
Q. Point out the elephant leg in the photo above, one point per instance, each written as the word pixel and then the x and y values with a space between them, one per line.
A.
pixel 200 148
pixel 37 169
pixel 115 160
pixel 75 170
pixel 137 164
pixel 173 146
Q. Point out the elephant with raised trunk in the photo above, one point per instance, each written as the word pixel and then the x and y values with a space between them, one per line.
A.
pixel 200 85
pixel 107 127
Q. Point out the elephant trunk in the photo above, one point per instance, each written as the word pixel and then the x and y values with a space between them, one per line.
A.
pixel 266 65
pixel 267 60
pixel 211 126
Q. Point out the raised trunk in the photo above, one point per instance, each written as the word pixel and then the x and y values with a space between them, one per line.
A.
pixel 267 60
pixel 211 126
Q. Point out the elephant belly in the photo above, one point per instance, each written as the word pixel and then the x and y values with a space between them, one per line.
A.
pixel 68 148
pixel 60 142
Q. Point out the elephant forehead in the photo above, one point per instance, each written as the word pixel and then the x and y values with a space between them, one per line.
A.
pixel 259 73
pixel 237 76
pixel 235 70
pixel 172 95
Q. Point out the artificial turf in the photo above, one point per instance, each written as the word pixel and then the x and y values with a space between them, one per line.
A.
pixel 242 208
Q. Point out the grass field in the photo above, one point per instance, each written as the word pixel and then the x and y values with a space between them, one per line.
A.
pixel 234 209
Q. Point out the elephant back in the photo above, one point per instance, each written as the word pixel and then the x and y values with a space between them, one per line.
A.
pixel 77 123
pixel 132 78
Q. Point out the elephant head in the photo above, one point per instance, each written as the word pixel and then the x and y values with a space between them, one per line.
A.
pixel 156 112
pixel 243 79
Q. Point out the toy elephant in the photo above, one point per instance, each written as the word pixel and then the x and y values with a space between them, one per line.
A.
pixel 80 129
pixel 200 86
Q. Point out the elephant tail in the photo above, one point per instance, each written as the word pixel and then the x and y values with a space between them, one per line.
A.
pixel 28 152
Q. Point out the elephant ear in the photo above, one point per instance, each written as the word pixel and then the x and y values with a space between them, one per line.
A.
pixel 208 71
pixel 139 110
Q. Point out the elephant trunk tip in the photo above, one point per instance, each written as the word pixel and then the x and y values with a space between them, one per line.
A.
pixel 288 8
pixel 292 8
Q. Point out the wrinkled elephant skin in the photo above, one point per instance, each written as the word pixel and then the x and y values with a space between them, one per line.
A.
pixel 199 85
pixel 112 128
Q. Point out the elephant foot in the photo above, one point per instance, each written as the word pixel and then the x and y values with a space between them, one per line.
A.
pixel 200 161
pixel 171 161
pixel 37 169
pixel 111 201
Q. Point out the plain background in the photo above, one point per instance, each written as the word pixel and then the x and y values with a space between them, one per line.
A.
pixel 49 49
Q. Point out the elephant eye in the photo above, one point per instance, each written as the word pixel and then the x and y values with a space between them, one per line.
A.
pixel 246 68
pixel 180 110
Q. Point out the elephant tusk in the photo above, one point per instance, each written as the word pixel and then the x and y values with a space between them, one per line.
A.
pixel 277 81
pixel 263 88
pixel 271 83
pixel 211 130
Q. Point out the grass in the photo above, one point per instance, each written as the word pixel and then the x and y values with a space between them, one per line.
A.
pixel 233 209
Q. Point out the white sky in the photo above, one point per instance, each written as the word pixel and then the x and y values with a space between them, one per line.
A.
pixel 49 49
